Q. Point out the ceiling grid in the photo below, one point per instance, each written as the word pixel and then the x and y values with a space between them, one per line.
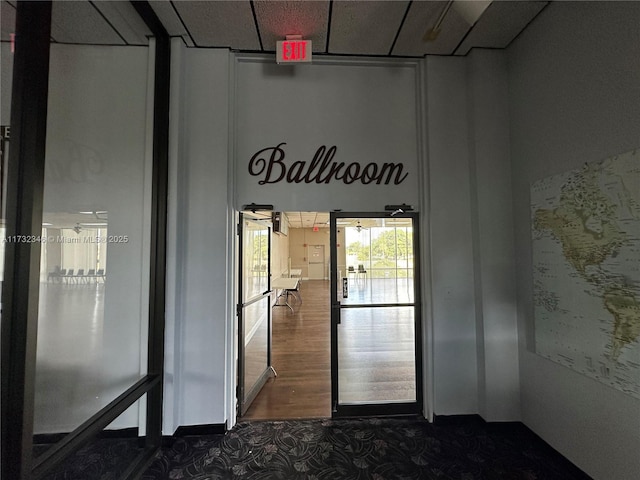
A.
pixel 387 28
pixel 394 28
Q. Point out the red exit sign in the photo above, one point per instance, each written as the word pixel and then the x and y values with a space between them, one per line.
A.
pixel 293 51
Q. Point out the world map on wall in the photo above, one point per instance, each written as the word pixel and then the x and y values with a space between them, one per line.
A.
pixel 586 270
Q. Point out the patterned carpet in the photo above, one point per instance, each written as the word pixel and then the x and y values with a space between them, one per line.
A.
pixel 376 449
pixel 102 459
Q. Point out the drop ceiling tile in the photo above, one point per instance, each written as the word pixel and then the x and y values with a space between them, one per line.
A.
pixel 8 21
pixel 80 22
pixel 220 23
pixel 126 21
pixel 500 24
pixel 322 220
pixel 308 219
pixel 422 16
pixel 169 17
pixel 365 27
pixel 276 20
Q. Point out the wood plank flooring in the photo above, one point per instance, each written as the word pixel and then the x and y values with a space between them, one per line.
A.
pixel 376 358
pixel 301 354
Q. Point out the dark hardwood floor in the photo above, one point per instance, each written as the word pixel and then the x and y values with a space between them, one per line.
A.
pixel 301 354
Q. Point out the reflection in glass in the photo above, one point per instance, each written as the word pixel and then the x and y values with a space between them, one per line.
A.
pixel 376 355
pixel 256 328
pixel 7 13
pixel 71 323
pixel 94 276
pixel 255 261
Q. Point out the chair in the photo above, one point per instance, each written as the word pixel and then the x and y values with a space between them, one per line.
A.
pixel 80 275
pixel 351 271
pixel 362 271
pixel 100 274
pixel 55 274
pixel 91 274
pixel 69 274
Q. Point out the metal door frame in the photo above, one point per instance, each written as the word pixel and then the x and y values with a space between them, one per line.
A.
pixel 370 409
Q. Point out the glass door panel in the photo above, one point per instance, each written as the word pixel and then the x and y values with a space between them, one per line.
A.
pixel 254 310
pixel 375 315
pixel 256 341
pixel 255 259
pixel 376 355
pixel 379 260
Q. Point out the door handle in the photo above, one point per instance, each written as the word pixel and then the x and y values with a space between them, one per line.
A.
pixel 336 307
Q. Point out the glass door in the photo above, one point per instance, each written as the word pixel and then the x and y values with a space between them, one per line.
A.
pixel 375 344
pixel 254 310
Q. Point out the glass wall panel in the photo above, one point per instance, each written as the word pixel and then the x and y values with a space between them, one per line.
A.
pixel 376 362
pixel 8 17
pixel 94 279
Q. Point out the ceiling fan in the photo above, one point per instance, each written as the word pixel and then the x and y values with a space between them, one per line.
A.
pixel 359 227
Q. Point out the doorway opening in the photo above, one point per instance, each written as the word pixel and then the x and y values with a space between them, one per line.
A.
pixel 297 342
pixel 342 331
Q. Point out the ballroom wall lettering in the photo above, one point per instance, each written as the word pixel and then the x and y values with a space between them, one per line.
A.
pixel 269 165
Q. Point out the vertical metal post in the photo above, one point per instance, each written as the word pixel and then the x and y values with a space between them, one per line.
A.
pixel 158 239
pixel 155 359
pixel 25 187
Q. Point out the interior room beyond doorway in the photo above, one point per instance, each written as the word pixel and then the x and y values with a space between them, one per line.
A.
pixel 301 337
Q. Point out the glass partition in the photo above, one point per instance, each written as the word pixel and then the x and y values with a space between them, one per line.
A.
pixel 94 275
pixel 84 246
pixel 7 13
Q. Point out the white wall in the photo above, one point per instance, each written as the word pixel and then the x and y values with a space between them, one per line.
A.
pixel 473 305
pixel 452 273
pixel 492 225
pixel 199 264
pixel 574 98
pixel 367 109
pixel 372 112
pixel 279 254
